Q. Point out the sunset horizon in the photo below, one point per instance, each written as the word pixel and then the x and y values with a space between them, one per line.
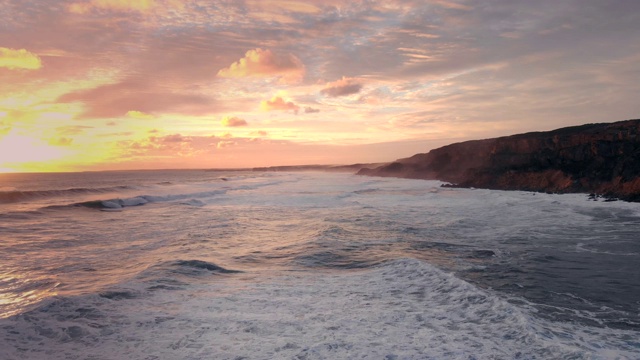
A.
pixel 164 84
pixel 319 179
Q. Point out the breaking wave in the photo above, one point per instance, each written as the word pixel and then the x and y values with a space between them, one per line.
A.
pixel 14 196
pixel 191 199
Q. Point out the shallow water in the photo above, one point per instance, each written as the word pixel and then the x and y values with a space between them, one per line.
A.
pixel 226 265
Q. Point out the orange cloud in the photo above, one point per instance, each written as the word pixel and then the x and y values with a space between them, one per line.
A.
pixel 118 5
pixel 278 103
pixel 19 59
pixel 233 121
pixel 342 87
pixel 264 63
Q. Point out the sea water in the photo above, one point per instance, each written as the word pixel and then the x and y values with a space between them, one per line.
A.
pixel 199 264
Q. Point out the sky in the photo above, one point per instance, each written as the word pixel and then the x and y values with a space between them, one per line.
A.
pixel 144 84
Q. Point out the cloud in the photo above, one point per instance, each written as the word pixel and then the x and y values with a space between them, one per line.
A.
pixel 175 138
pixel 115 134
pixel 225 144
pixel 342 87
pixel 295 6
pixel 259 133
pixel 278 103
pixel 19 59
pixel 168 146
pixel 451 5
pixel 113 100
pixel 116 5
pixel 63 141
pixel 139 115
pixel 233 121
pixel 264 63
pixel 72 129
pixel 310 110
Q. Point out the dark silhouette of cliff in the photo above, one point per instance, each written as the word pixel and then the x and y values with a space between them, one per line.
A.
pixel 603 159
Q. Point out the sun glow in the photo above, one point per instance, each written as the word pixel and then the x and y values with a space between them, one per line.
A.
pixel 18 151
pixel 127 84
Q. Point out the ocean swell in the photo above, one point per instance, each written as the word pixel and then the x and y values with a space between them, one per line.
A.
pixel 14 196
pixel 192 199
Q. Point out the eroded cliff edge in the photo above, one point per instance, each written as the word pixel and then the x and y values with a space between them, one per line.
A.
pixel 594 158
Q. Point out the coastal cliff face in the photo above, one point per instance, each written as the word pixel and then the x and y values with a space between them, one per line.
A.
pixel 593 158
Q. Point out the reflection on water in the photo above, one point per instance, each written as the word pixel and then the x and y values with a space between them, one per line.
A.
pixel 18 292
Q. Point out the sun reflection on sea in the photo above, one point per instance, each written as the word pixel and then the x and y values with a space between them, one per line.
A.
pixel 18 293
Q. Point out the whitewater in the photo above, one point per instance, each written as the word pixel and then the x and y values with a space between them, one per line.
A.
pixel 197 264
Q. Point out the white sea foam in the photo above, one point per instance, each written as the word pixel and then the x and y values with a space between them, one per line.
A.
pixel 404 309
pixel 140 284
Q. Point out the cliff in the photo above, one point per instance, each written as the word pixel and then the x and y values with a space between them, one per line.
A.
pixel 593 158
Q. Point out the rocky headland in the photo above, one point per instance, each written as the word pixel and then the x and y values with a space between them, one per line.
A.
pixel 601 159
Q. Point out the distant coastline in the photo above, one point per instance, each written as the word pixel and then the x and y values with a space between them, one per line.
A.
pixel 331 168
pixel 598 159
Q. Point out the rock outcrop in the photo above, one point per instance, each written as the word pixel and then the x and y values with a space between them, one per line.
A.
pixel 602 159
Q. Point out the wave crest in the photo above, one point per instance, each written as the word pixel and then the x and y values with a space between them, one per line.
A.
pixel 14 196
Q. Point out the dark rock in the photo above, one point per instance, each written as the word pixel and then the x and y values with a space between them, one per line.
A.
pixel 602 159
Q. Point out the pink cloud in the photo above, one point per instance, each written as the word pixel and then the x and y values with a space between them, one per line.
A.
pixel 174 138
pixel 278 103
pixel 173 146
pixel 118 99
pixel 259 133
pixel 451 5
pixel 342 87
pixel 116 5
pixel 264 63
pixel 225 144
pixel 233 121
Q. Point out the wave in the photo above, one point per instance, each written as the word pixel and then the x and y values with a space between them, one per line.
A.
pixel 176 275
pixel 190 199
pixel 118 294
pixel 14 196
pixel 199 266
pixel 399 309
pixel 335 260
pixel 18 294
pixel 23 296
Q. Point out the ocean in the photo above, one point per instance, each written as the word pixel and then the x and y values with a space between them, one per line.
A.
pixel 196 264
